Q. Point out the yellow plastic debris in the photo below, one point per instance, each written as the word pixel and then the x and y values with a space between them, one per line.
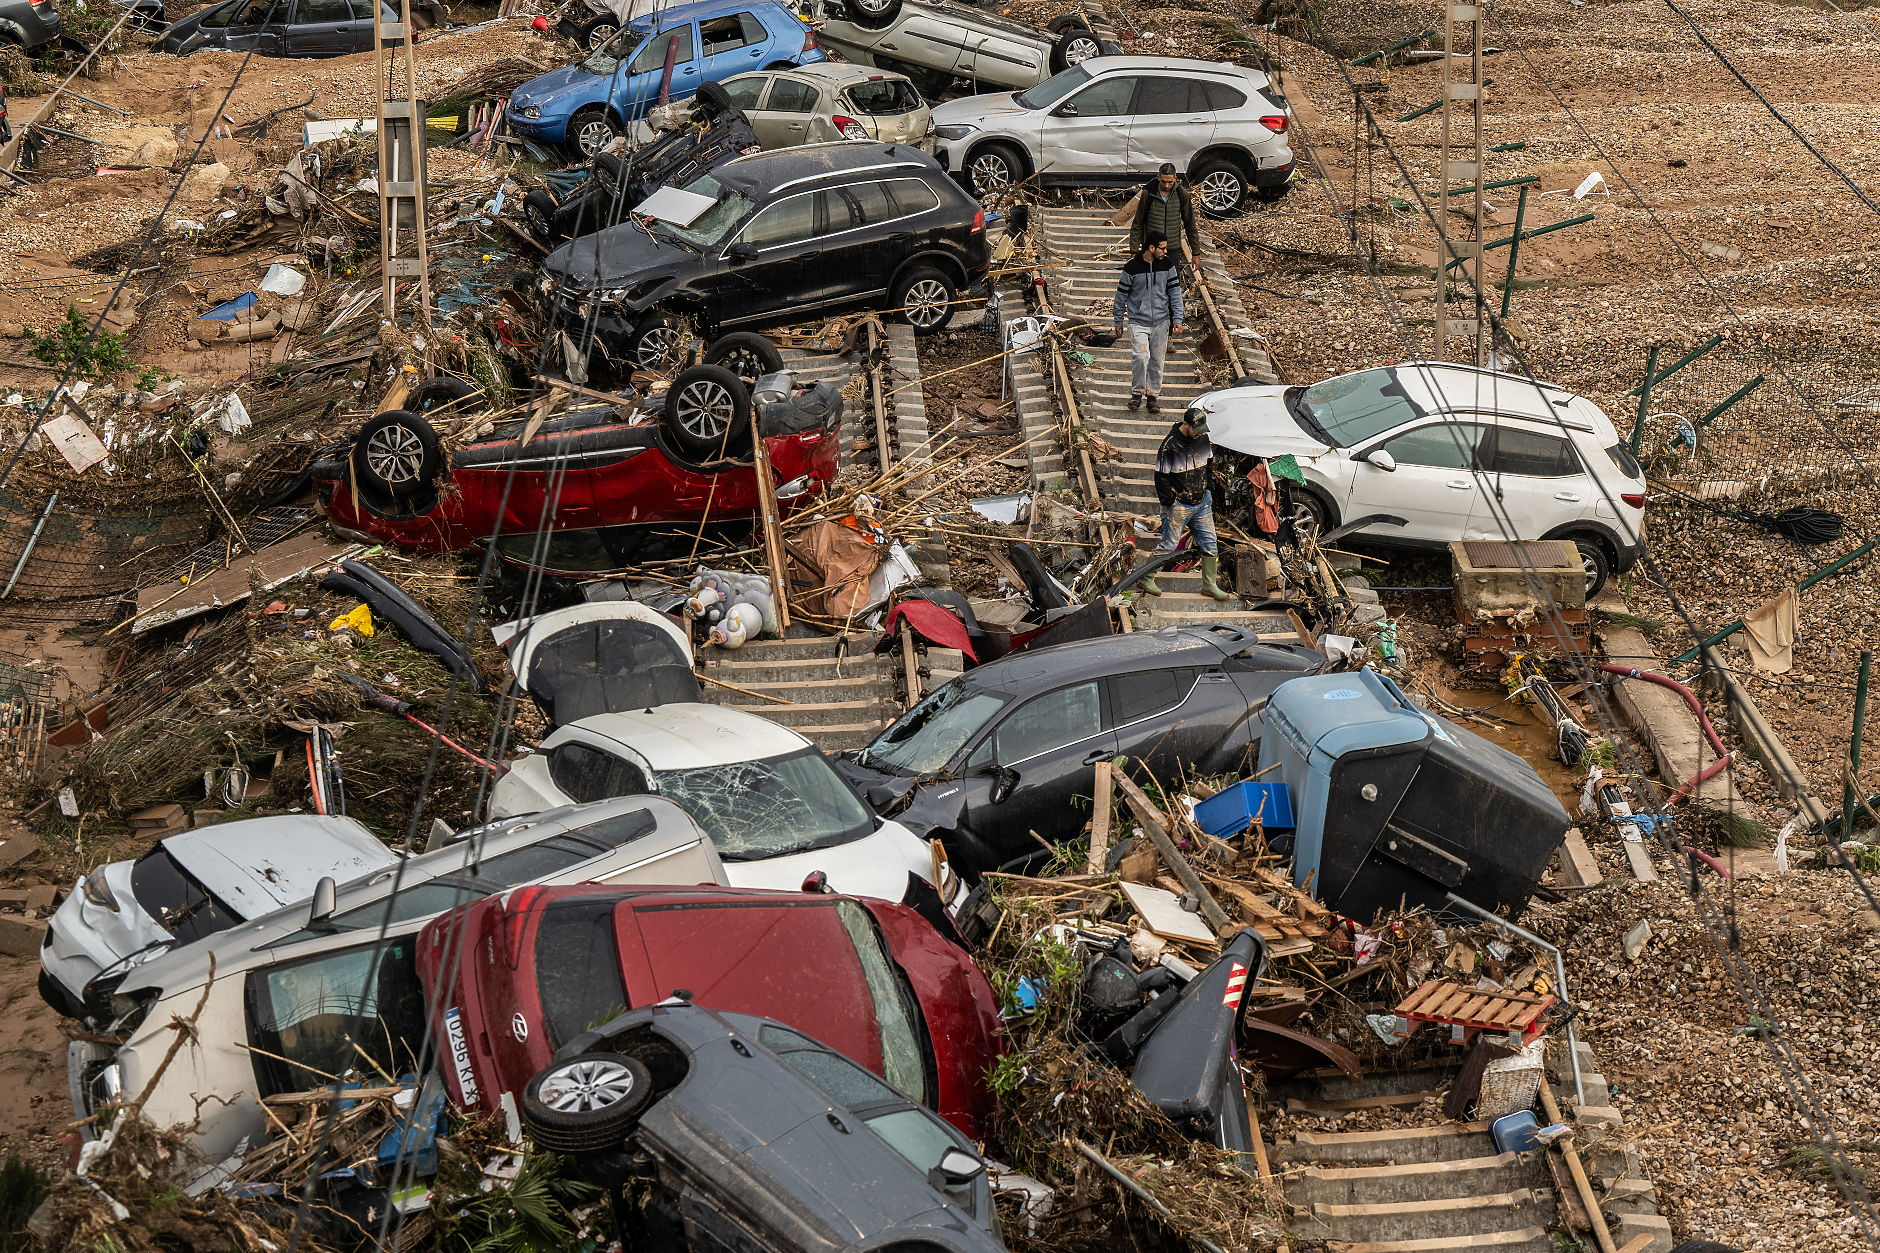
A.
pixel 359 620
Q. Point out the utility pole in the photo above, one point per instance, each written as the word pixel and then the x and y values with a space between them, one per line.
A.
pixel 1465 254
pixel 402 252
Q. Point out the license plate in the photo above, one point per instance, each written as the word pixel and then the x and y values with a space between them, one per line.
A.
pixel 460 1055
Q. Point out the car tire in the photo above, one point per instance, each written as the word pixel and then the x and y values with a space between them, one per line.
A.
pixel 1594 561
pixel 746 354
pixel 456 397
pixel 538 211
pixel 397 454
pixel 873 14
pixel 586 1102
pixel 1061 23
pixel 1316 508
pixel 598 32
pixel 925 299
pixel 711 100
pixel 655 342
pixel 708 413
pixel 1221 189
pixel 589 131
pixel 1074 47
pixel 994 168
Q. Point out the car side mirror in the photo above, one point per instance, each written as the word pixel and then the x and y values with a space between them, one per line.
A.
pixel 957 1168
pixel 741 253
pixel 1065 110
pixel 1004 779
pixel 324 903
pixel 1381 459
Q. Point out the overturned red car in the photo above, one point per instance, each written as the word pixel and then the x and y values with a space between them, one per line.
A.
pixel 611 487
pixel 513 978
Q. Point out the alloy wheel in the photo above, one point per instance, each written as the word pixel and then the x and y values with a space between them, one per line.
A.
pixel 1590 566
pixel 874 8
pixel 705 409
pixel 990 173
pixel 594 135
pixel 600 35
pixel 395 454
pixel 656 347
pixel 926 302
pixel 586 1086
pixel 1080 50
pixel 1220 192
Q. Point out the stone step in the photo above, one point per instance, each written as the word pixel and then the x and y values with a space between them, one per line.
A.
pixel 1408 1144
pixel 858 687
pixel 800 646
pixel 1412 1181
pixel 755 672
pixel 1491 1212
pixel 830 716
pixel 1521 1240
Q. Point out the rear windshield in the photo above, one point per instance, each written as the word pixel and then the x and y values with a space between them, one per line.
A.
pixel 605 667
pixel 177 899
pixel 1628 464
pixel 884 97
pixel 577 967
pixel 775 805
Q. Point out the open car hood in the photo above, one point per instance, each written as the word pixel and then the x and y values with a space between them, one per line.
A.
pixel 606 657
pixel 1254 420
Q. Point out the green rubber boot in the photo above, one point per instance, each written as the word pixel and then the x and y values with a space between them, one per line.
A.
pixel 1147 586
pixel 1210 567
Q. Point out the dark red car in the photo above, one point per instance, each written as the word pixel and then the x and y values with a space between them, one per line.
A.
pixel 535 967
pixel 612 488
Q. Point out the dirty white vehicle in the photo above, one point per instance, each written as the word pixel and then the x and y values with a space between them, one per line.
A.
pixel 831 100
pixel 934 42
pixel 190 886
pixel 283 998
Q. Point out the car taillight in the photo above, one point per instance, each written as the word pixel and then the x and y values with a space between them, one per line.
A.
pixel 979 222
pixel 515 906
pixel 849 128
pixel 809 41
pixel 1276 123
pixel 1634 499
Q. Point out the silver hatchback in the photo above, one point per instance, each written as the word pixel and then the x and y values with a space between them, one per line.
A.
pixel 814 104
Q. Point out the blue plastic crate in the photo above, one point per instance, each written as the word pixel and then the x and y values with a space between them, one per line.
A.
pixel 1229 811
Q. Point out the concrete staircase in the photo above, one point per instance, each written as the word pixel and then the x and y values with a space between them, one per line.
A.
pixel 840 697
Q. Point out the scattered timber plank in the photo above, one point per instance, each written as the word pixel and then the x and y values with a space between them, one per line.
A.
pixel 1360 1102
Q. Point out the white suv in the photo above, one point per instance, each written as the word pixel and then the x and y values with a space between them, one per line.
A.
pixel 1115 120
pixel 1459 453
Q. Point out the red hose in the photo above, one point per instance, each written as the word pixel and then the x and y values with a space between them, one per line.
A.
pixel 1690 698
pixel 487 765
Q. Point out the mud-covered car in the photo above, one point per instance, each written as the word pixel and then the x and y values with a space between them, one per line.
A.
pixel 789 234
pixel 814 104
pixel 613 488
pixel 875 980
pixel 751 1134
pixel 285 28
pixel 937 41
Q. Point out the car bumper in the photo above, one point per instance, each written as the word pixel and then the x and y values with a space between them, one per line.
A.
pixel 1276 176
pixel 548 130
pixel 40 25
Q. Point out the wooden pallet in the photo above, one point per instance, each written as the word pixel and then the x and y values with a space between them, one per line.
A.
pixel 1472 1010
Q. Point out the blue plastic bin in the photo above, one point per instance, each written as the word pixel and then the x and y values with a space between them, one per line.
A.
pixel 1514 1133
pixel 1229 811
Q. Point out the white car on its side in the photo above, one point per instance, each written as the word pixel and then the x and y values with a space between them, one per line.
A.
pixel 186 887
pixel 771 802
pixel 1457 452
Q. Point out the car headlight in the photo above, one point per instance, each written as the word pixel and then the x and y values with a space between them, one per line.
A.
pixel 928 133
pixel 98 892
pixel 530 111
pixel 953 130
pixel 616 295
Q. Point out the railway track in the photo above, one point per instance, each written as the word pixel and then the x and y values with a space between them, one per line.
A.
pixel 835 689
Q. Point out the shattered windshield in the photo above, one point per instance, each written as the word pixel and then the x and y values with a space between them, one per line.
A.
pixel 927 736
pixel 607 58
pixel 1355 407
pixel 716 222
pixel 764 808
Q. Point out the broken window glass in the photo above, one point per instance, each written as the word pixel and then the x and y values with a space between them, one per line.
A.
pixel 755 809
pixel 927 736
pixel 1355 407
pixel 309 1015
pixel 900 1051
pixel 606 667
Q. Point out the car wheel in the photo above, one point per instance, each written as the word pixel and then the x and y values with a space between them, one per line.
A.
pixel 1593 561
pixel 396 453
pixel 1061 23
pixel 746 354
pixel 453 396
pixel 873 14
pixel 1221 189
pixel 925 300
pixel 1074 47
pixel 538 210
pixel 708 413
pixel 588 1102
pixel 589 131
pixel 598 32
pixel 993 169
pixel 1311 511
pixel 711 100
pixel 655 343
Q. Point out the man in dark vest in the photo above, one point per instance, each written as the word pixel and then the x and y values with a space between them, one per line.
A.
pixel 1163 206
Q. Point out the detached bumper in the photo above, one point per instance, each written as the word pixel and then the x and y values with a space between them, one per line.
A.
pixel 1277 176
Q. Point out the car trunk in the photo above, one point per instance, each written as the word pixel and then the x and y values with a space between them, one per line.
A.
pixel 598 658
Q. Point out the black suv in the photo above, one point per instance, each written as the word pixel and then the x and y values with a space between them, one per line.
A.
pixel 778 236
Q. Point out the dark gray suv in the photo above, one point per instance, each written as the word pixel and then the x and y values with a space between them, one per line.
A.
pixel 28 24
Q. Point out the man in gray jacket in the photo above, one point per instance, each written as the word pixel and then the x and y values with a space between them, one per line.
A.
pixel 1148 304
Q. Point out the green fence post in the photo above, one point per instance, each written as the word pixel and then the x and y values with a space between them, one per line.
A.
pixel 1645 396
pixel 1514 251
pixel 1853 750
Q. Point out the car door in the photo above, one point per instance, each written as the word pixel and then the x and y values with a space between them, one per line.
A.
pixel 1169 121
pixel 747 93
pixel 869 253
pixel 1536 482
pixel 639 89
pixel 787 113
pixel 1050 746
pixel 991 57
pixel 1433 487
pixel 1089 133
pixel 320 28
pixel 786 270
pixel 247 28
pixel 731 45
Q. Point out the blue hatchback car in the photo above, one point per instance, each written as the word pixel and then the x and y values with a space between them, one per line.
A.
pixel 585 105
